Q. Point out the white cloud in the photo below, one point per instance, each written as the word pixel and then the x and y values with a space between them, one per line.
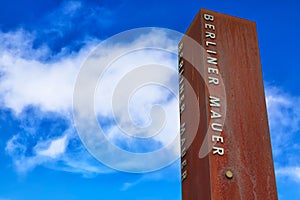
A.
pixel 17 148
pixel 128 185
pixel 283 109
pixel 71 7
pixel 292 173
pixel 62 20
pixel 127 72
pixel 18 45
pixel 284 119
pixel 171 173
pixel 55 156
pixel 131 104
pixel 31 81
pixel 14 145
pixel 33 76
pixel 57 147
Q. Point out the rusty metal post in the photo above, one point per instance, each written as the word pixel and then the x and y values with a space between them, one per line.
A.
pixel 225 76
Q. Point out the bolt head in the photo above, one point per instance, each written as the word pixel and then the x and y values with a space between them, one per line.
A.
pixel 229 174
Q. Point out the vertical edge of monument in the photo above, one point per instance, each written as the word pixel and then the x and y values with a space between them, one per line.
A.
pixel 195 184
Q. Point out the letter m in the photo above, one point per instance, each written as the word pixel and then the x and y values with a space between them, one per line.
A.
pixel 214 101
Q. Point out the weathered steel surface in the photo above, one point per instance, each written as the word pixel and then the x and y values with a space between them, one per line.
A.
pixel 247 159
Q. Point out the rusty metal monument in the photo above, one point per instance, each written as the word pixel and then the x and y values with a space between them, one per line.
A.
pixel 229 156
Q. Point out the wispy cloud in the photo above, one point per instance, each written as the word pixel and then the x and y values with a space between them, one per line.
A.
pixel 283 110
pixel 19 44
pixel 135 65
pixel 54 148
pixel 171 173
pixel 292 173
pixel 284 120
pixel 68 27
pixel 27 81
pixel 65 153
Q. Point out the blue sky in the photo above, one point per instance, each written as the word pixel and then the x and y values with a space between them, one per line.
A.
pixel 43 46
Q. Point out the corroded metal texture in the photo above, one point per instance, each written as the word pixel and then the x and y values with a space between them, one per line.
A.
pixel 243 166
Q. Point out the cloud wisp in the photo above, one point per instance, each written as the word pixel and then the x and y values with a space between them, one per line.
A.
pixel 128 64
pixel 284 121
pixel 30 83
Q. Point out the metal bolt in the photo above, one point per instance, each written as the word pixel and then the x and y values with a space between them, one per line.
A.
pixel 229 174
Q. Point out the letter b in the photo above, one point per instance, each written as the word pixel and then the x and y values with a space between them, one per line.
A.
pixel 208 17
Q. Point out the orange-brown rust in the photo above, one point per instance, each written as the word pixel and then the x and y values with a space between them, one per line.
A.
pixel 247 145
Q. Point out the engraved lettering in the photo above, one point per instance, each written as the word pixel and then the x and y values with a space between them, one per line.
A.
pixel 182 141
pixel 181 89
pixel 216 127
pixel 214 101
pixel 209 26
pixel 215 115
pixel 183 163
pixel 183 152
pixel 210 43
pixel 216 138
pixel 213 80
pixel 180 46
pixel 182 128
pixel 182 107
pixel 181 98
pixel 212 60
pixel 218 150
pixel 184 175
pixel 181 63
pixel 208 17
pixel 211 52
pixel 210 35
pixel 212 70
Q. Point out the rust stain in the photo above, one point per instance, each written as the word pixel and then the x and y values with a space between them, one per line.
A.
pixel 247 145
